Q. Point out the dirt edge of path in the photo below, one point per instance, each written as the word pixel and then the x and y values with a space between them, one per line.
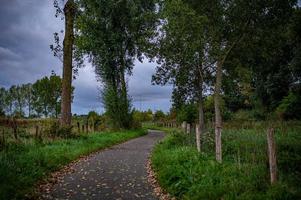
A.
pixel 152 179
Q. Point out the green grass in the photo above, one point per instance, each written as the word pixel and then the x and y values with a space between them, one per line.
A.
pixel 22 165
pixel 187 174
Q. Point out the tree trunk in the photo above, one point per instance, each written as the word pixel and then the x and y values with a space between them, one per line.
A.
pixel 123 85
pixel 56 109
pixel 198 137
pixel 69 11
pixel 201 124
pixel 218 116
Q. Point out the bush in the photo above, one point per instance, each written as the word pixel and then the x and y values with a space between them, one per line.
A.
pixel 290 107
pixel 245 115
pixel 55 130
pixel 188 113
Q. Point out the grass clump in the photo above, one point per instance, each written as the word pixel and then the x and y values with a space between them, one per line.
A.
pixel 22 165
pixel 187 174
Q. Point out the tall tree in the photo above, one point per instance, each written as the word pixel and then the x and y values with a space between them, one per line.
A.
pixel 9 101
pixel 17 93
pixel 27 88
pixel 40 90
pixel 46 95
pixel 181 54
pixel 69 11
pixel 229 22
pixel 55 91
pixel 123 30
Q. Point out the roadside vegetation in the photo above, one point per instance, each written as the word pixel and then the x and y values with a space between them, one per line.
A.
pixel 244 174
pixel 22 164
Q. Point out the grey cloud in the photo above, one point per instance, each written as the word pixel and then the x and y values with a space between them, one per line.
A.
pixel 26 32
pixel 140 86
pixel 27 28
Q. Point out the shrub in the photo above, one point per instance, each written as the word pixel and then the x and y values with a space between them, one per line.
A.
pixel 187 113
pixel 290 107
pixel 55 130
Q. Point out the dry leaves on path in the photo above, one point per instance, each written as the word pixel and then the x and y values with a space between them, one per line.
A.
pixel 159 192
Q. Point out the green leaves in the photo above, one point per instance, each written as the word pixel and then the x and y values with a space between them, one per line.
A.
pixel 40 98
pixel 46 95
pixel 114 34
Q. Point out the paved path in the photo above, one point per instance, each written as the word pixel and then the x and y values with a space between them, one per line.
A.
pixel 117 173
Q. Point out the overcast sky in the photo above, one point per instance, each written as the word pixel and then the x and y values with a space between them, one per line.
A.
pixel 26 31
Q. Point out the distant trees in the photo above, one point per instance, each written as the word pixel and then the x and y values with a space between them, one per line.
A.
pixel 142 116
pixel 41 98
pixel 159 115
pixel 2 101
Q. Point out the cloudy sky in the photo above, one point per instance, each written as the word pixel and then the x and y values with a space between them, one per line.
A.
pixel 26 31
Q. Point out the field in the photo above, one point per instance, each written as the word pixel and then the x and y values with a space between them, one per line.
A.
pixel 24 162
pixel 244 173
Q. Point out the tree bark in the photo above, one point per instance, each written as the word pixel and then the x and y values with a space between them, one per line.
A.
pixel 198 137
pixel 123 84
pixel 218 116
pixel 201 124
pixel 69 11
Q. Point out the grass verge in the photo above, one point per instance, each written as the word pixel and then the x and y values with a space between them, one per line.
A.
pixel 22 165
pixel 187 174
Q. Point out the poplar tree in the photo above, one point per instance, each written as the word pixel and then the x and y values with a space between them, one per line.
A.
pixel 113 34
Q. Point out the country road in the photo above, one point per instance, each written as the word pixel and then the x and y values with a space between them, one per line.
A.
pixel 115 173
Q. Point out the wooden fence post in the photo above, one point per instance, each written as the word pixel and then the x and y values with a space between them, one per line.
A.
pixel 83 128
pixel 188 128
pixel 272 155
pixel 15 128
pixel 2 141
pixel 37 132
pixel 78 127
pixel 184 126
pixel 198 137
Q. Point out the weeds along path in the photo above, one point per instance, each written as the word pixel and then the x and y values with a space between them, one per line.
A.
pixel 115 173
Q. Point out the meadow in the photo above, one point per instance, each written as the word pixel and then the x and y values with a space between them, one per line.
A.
pixel 26 161
pixel 244 173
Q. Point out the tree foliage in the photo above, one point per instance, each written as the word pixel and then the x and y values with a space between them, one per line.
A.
pixel 41 98
pixel 122 33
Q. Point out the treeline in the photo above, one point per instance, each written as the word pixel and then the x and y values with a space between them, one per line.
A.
pixel 39 99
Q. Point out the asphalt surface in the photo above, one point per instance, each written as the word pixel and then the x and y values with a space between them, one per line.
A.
pixel 117 173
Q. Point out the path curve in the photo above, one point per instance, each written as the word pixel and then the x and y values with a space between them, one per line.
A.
pixel 117 173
